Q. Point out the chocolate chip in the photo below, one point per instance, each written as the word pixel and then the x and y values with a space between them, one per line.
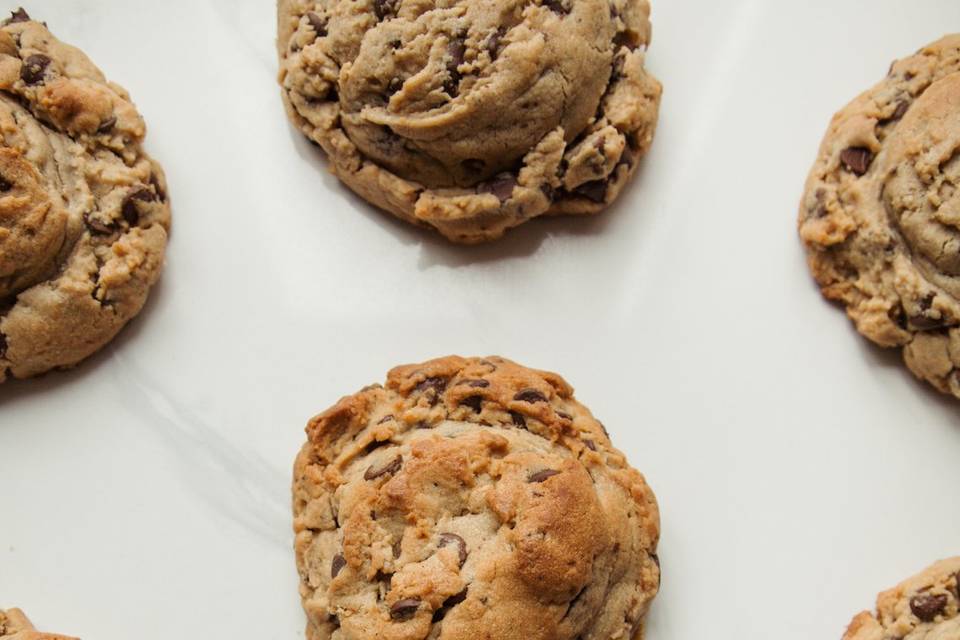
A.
pixel 339 562
pixel 18 16
pixel 530 395
pixel 404 609
pixel 924 323
pixel 590 444
pixel 98 226
pixel 437 384
pixel 33 68
pixel 556 6
pixel 595 190
pixel 476 384
pixel 107 125
pixel 386 418
pixel 384 8
pixel 501 186
pixel 540 476
pixel 927 606
pixel 130 211
pixel 901 110
pixel 456 50
pixel 447 539
pixel 474 402
pixel 5 185
pixel 856 159
pixel 518 420
pixel 319 24
pixel 391 467
pixel 493 44
pixel 448 604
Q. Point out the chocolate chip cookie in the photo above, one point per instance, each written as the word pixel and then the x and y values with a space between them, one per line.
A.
pixel 83 210
pixel 14 625
pixel 473 117
pixel 881 214
pixel 471 498
pixel 925 607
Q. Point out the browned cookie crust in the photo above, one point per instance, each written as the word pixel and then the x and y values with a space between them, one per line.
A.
pixel 471 499
pixel 83 210
pixel 881 213
pixel 14 625
pixel 925 607
pixel 473 117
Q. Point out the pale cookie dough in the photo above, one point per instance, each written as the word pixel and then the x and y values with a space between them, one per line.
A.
pixel 83 210
pixel 14 625
pixel 881 214
pixel 467 499
pixel 473 117
pixel 925 607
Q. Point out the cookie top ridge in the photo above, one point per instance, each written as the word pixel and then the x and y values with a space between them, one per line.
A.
pixel 470 498
pixel 473 117
pixel 880 216
pixel 83 210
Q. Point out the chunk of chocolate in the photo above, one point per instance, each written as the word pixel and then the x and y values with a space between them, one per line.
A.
pixel 372 473
pixel 928 606
pixel 404 609
pixel 34 68
pixel 540 476
pixel 856 159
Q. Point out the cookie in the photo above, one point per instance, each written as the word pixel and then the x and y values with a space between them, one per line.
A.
pixel 881 214
pixel 925 607
pixel 470 498
pixel 14 625
pixel 83 210
pixel 473 117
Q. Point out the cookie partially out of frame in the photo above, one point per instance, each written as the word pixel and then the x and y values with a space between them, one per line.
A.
pixel 473 117
pixel 881 214
pixel 925 607
pixel 83 210
pixel 14 625
pixel 471 498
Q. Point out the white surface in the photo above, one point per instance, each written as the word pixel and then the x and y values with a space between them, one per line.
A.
pixel 799 470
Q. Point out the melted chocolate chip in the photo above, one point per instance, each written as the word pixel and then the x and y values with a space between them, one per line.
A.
pixel 540 476
pixel 404 609
pixel 476 384
pixel 590 444
pixel 33 68
pixel 925 323
pixel 319 24
pixel 448 604
pixel 856 159
pixel 518 420
pixel 436 384
pixel 595 191
pixel 530 395
pixel 130 211
pixel 474 402
pixel 928 606
pixel 5 185
pixel 900 111
pixel 391 467
pixel 447 539
pixel 501 186
pixel 18 16
pixel 339 562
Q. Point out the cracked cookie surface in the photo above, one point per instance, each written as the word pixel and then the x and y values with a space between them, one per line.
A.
pixel 14 625
pixel 473 117
pixel 924 607
pixel 83 210
pixel 471 498
pixel 881 213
